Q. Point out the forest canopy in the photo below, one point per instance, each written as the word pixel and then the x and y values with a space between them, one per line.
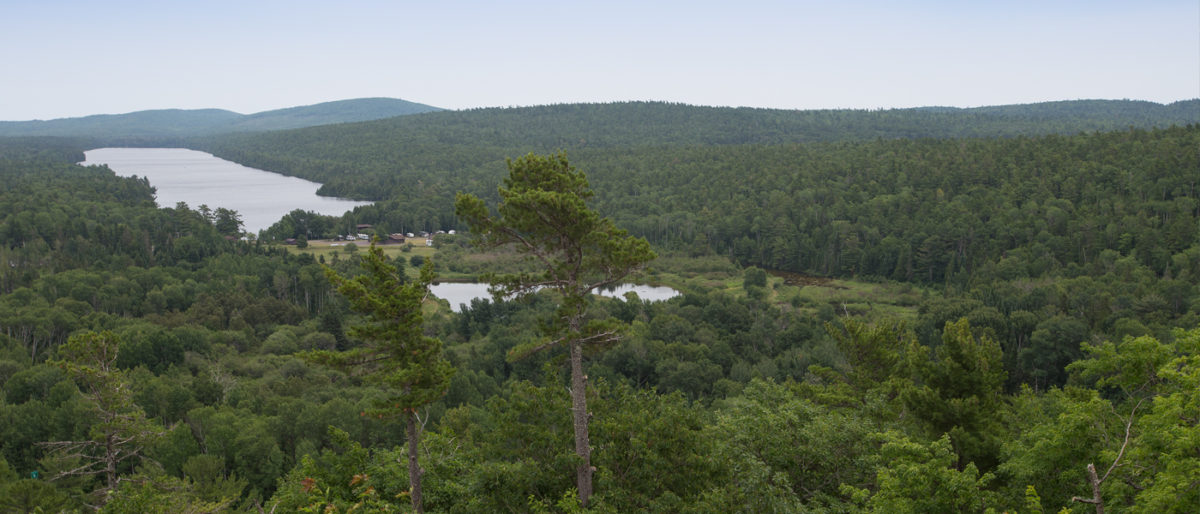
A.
pixel 933 310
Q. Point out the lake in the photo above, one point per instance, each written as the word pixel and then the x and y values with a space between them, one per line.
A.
pixel 463 292
pixel 198 178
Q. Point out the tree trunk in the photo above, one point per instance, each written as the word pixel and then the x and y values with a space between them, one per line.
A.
pixel 110 462
pixel 1095 488
pixel 414 469
pixel 1095 481
pixel 583 474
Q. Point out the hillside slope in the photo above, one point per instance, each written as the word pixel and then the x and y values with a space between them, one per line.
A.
pixel 368 160
pixel 154 125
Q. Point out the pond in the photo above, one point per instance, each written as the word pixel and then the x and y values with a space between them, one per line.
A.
pixel 198 178
pixel 459 293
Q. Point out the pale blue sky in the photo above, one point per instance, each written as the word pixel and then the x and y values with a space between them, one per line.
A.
pixel 72 58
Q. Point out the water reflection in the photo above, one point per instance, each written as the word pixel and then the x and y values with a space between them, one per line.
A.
pixel 198 178
pixel 458 293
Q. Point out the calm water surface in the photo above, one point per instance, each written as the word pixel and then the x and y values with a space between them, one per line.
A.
pixel 458 293
pixel 198 178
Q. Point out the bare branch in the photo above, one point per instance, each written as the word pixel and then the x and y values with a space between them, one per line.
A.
pixel 541 347
pixel 1096 498
pixel 1096 481
pixel 533 249
pixel 1128 427
pixel 603 337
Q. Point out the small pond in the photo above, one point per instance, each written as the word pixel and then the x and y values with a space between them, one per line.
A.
pixel 459 293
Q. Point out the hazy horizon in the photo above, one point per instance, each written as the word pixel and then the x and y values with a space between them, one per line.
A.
pixel 616 101
pixel 71 58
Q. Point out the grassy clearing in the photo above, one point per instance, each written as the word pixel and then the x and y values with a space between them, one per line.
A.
pixel 811 295
pixel 696 273
pixel 852 298
pixel 327 248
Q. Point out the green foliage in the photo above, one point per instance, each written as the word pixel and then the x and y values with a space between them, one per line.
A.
pixel 7 474
pixel 643 433
pixel 1166 438
pixel 1131 365
pixel 1143 444
pixel 57 217
pixel 31 495
pixel 1033 502
pixel 806 450
pixel 393 156
pixel 302 225
pixel 516 446
pixel 872 354
pixel 349 479
pixel 121 430
pixel 1063 431
pixel 541 197
pixel 398 355
pixel 1053 345
pixel 210 480
pixel 918 477
pixel 162 493
pixel 33 383
pixel 754 277
pixel 958 392
pixel 1077 237
pixel 543 213
pixel 245 443
pixel 227 222
pixel 725 399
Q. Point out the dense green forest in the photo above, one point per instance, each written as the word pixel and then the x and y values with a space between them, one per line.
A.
pixel 1050 322
pixel 424 154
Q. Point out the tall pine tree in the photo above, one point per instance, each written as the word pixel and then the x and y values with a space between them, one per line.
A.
pixel 397 354
pixel 543 214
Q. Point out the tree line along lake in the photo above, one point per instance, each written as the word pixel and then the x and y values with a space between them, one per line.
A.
pixel 198 178
pixel 263 197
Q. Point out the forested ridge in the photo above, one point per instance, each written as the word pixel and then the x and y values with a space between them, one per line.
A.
pixel 1046 285
pixel 171 126
pixel 377 159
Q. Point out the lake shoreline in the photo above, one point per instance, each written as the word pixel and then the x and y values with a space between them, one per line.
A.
pixel 198 178
pixel 463 293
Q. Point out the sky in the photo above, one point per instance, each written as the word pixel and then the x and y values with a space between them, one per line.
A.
pixel 61 58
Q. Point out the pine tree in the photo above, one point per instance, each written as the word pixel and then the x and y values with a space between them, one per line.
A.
pixel 543 213
pixel 397 354
pixel 121 431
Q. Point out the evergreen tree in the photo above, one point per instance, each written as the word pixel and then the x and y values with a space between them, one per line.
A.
pixel 121 431
pixel 398 355
pixel 543 213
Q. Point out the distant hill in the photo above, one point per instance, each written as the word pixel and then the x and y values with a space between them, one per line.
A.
pixel 171 124
pixel 366 160
pixel 162 122
pixel 342 111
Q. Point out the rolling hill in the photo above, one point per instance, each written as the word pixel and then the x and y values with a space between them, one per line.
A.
pixel 171 124
pixel 369 160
